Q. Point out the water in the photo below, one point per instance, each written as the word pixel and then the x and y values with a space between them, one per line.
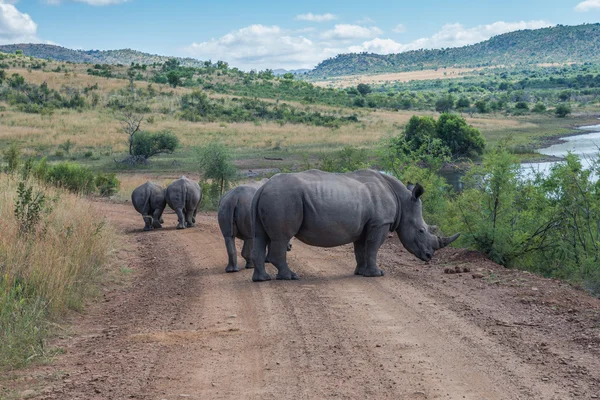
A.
pixel 586 146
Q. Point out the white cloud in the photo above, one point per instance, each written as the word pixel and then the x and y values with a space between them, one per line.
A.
pixel 349 32
pixel 399 28
pixel 451 35
pixel 261 47
pixel 315 17
pixel 15 26
pixel 91 2
pixel 587 5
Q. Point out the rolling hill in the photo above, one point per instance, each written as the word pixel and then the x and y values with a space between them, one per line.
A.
pixel 558 44
pixel 124 56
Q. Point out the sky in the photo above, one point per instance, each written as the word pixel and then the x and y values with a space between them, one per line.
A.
pixel 260 34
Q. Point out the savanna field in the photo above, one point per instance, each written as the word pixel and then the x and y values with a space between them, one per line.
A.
pixel 83 291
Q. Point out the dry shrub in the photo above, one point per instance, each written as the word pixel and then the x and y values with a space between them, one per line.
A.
pixel 47 270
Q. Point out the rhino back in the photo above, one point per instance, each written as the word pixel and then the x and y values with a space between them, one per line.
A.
pixel 148 194
pixel 325 209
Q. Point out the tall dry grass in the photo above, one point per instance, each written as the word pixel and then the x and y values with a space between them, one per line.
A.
pixel 47 271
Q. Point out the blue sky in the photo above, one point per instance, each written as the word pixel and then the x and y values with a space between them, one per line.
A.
pixel 264 34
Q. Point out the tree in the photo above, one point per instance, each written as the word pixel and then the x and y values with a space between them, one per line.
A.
pixel 130 124
pixel 462 139
pixel 463 103
pixel 173 78
pixel 363 89
pixel 288 76
pixel 148 144
pixel 562 110
pixel 444 104
pixel 418 130
pixel 215 163
pixel 482 106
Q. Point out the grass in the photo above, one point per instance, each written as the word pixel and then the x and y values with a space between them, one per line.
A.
pixel 51 269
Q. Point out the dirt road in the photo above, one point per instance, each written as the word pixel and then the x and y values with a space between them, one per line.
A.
pixel 186 329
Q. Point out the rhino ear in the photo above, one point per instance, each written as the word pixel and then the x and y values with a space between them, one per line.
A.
pixel 417 191
pixel 410 186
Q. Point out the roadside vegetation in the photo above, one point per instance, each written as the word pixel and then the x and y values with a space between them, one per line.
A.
pixel 54 248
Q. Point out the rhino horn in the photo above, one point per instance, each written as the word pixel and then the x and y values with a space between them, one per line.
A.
pixel 445 241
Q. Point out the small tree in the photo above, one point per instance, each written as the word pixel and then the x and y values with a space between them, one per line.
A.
pixel 148 144
pixel 173 78
pixel 130 124
pixel 462 139
pixel 562 110
pixel 363 89
pixel 444 104
pixel 12 155
pixel 215 163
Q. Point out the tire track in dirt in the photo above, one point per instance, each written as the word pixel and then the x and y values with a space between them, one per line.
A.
pixel 186 329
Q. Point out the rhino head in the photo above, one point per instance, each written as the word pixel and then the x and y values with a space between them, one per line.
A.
pixel 416 236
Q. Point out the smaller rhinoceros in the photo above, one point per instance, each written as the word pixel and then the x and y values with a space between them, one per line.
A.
pixel 235 221
pixel 183 196
pixel 149 200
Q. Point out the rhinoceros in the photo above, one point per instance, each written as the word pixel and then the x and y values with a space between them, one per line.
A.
pixel 235 221
pixel 183 196
pixel 149 200
pixel 327 210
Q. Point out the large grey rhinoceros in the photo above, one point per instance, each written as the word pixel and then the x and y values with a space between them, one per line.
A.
pixel 183 196
pixel 235 221
pixel 327 210
pixel 149 200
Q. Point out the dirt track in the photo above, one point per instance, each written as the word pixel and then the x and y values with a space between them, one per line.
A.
pixel 186 329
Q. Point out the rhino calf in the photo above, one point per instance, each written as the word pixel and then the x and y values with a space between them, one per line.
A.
pixel 235 221
pixel 183 196
pixel 327 210
pixel 149 200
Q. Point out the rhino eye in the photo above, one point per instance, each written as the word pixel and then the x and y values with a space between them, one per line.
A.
pixel 422 230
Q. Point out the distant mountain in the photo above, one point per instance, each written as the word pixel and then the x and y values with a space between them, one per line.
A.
pixel 280 71
pixel 125 56
pixel 558 44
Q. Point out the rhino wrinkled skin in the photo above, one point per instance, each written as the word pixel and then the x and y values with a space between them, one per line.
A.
pixel 183 196
pixel 327 210
pixel 149 200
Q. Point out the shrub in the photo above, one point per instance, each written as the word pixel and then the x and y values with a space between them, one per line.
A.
pixel 12 155
pixel 107 184
pixel 562 110
pixel 148 144
pixel 214 161
pixel 71 176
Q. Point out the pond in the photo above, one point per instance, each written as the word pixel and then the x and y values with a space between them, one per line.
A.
pixel 585 145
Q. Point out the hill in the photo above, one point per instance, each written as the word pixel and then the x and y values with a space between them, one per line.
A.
pixel 124 56
pixel 558 44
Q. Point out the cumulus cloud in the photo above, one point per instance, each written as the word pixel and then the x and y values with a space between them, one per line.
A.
pixel 90 2
pixel 399 28
pixel 260 47
pixel 451 35
pixel 350 32
pixel 587 5
pixel 15 26
pixel 315 17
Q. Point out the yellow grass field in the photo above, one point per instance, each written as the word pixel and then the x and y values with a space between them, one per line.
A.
pixel 353 80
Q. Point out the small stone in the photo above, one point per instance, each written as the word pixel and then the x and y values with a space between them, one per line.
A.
pixel 534 289
pixel 377 345
pixel 27 393
pixel 477 276
pixel 466 269
pixel 545 379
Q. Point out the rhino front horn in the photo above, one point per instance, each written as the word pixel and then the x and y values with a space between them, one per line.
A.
pixel 445 241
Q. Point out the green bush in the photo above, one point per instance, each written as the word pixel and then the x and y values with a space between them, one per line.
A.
pixel 71 176
pixel 12 155
pixel 148 144
pixel 215 163
pixel 562 110
pixel 107 184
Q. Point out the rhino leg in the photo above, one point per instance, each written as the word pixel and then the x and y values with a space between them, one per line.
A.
pixel 231 254
pixel 277 256
pixel 147 222
pixel 260 254
pixel 189 219
pixel 180 219
pixel 247 252
pixel 375 238
pixel 360 254
pixel 157 218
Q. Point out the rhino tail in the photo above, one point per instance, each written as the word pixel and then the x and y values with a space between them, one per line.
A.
pixel 226 217
pixel 146 214
pixel 257 223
